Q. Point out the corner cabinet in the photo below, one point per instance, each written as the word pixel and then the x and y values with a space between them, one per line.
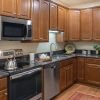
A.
pixel 40 20
pixel 74 25
pixel 86 24
pixel 16 8
pixel 96 24
pixel 66 73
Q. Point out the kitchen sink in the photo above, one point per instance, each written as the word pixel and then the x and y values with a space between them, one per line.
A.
pixel 61 56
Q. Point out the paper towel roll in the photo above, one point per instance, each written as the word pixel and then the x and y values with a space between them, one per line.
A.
pixel 32 57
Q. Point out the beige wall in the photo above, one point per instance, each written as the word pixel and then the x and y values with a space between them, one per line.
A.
pixel 31 47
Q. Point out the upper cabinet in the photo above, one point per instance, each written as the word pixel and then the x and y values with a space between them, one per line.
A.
pixel 40 20
pixel 86 24
pixel 8 7
pixel 66 30
pixel 96 23
pixel 63 36
pixel 23 8
pixel 74 25
pixel 44 20
pixel 61 18
pixel 53 16
pixel 15 8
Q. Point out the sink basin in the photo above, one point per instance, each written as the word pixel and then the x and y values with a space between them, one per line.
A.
pixel 62 56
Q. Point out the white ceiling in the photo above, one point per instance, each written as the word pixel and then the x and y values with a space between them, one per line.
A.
pixel 79 3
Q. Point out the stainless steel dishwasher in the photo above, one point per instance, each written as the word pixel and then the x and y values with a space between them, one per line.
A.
pixel 51 80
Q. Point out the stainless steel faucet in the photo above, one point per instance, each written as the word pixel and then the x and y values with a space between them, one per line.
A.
pixel 51 51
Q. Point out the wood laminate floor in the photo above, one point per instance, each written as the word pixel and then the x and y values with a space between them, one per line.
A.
pixel 90 90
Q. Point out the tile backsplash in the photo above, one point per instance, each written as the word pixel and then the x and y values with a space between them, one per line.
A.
pixel 85 45
pixel 31 47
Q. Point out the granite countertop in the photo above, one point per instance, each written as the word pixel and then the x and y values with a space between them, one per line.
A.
pixel 65 57
pixel 94 56
pixel 56 58
pixel 3 74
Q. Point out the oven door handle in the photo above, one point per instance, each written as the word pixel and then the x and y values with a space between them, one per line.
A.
pixel 16 76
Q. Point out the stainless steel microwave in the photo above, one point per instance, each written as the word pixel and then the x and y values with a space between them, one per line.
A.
pixel 15 29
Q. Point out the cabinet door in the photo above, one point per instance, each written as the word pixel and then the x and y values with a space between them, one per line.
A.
pixel 86 24
pixel 92 73
pixel 23 8
pixel 3 95
pixel 66 25
pixel 35 19
pixel 8 7
pixel 53 16
pixel 75 69
pixel 61 18
pixel 62 79
pixel 96 23
pixel 74 25
pixel 69 75
pixel 80 69
pixel 44 20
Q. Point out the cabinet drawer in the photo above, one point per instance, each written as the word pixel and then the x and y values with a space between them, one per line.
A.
pixel 93 61
pixel 3 83
pixel 66 62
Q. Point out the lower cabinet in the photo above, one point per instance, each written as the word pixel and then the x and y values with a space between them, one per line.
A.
pixel 92 71
pixel 3 95
pixel 3 89
pixel 62 78
pixel 66 73
pixel 80 69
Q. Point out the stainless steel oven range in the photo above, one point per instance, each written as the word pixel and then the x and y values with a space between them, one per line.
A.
pixel 25 81
pixel 25 85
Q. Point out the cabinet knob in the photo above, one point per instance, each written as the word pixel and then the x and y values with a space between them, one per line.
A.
pixel 14 13
pixel 5 93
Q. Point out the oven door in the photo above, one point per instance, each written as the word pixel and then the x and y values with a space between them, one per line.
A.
pixel 25 87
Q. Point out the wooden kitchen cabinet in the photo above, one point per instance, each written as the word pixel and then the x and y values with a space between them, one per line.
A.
pixel 66 29
pixel 53 16
pixel 3 95
pixel 62 78
pixel 40 20
pixel 69 75
pixel 66 74
pixel 16 8
pixel 3 89
pixel 23 8
pixel 96 23
pixel 80 69
pixel 63 36
pixel 74 25
pixel 61 18
pixel 8 7
pixel 86 24
pixel 92 71
pixel 44 20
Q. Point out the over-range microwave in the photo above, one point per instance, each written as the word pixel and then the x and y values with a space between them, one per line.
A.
pixel 15 29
